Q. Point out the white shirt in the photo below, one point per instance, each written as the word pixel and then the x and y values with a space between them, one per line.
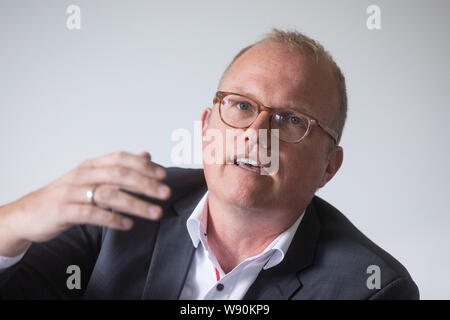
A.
pixel 6 262
pixel 202 278
pixel 206 279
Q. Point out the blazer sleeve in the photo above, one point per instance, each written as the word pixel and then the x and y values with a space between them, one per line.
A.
pixel 43 272
pixel 398 289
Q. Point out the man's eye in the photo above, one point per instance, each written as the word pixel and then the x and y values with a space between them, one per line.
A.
pixel 295 120
pixel 242 106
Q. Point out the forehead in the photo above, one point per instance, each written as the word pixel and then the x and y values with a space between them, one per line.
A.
pixel 280 77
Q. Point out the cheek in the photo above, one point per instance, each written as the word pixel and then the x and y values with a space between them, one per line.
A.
pixel 213 143
pixel 301 169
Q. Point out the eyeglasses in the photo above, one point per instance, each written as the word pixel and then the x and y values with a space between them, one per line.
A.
pixel 239 111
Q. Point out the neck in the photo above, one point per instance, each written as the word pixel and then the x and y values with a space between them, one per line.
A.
pixel 235 233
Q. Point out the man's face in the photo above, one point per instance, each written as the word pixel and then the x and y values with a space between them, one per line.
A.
pixel 277 78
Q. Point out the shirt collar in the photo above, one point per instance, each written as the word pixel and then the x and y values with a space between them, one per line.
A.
pixel 277 249
pixel 281 244
pixel 196 223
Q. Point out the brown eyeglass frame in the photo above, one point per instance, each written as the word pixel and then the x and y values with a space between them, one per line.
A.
pixel 220 95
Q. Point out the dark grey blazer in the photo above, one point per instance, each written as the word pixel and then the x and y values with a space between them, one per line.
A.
pixel 327 259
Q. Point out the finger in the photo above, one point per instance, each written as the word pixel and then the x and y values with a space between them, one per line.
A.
pixel 140 163
pixel 89 214
pixel 146 155
pixel 109 196
pixel 124 178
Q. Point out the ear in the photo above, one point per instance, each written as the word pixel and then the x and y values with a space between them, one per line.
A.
pixel 205 119
pixel 335 159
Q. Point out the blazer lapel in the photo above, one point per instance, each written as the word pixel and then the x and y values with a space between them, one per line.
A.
pixel 282 281
pixel 173 252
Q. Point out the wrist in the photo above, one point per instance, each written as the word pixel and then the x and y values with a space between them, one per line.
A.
pixel 11 245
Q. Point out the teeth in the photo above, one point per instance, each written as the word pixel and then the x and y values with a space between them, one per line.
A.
pixel 246 161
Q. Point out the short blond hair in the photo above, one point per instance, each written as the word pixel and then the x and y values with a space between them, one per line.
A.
pixel 307 46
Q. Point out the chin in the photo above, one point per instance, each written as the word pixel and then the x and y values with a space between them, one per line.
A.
pixel 241 188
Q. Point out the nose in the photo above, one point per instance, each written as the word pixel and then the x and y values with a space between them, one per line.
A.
pixel 251 134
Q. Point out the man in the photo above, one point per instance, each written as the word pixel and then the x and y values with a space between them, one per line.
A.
pixel 232 231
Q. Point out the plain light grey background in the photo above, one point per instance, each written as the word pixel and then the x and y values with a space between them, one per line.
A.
pixel 138 70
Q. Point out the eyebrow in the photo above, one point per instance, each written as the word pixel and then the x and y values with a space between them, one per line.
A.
pixel 301 106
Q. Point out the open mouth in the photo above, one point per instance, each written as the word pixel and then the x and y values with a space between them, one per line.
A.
pixel 248 164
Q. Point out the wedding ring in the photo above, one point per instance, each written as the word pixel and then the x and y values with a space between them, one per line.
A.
pixel 90 195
